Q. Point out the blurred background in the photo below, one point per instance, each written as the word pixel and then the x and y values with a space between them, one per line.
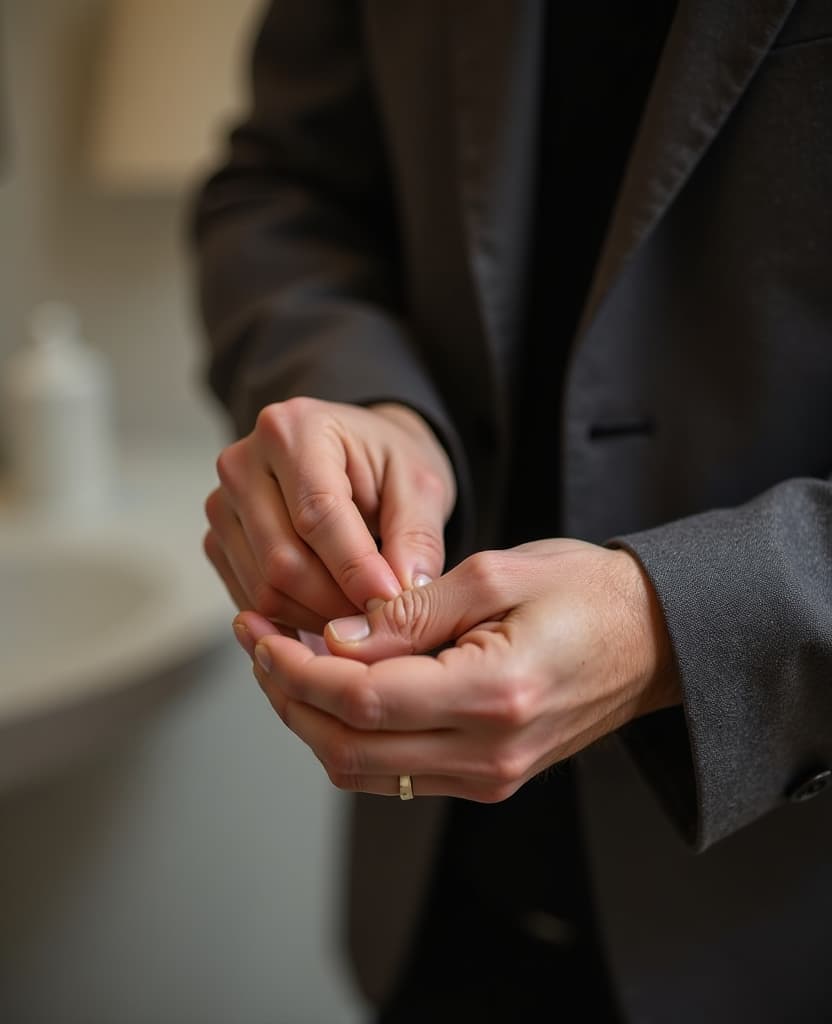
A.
pixel 167 852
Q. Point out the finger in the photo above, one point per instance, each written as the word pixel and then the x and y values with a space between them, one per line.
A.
pixel 237 557
pixel 344 750
pixel 446 762
pixel 259 595
pixel 316 487
pixel 413 515
pixel 425 785
pixel 250 628
pixel 404 694
pixel 216 556
pixel 482 588
pixel 283 560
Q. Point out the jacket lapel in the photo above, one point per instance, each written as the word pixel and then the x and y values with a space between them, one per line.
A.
pixel 712 52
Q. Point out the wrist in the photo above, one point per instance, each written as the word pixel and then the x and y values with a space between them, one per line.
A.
pixel 420 431
pixel 405 417
pixel 652 674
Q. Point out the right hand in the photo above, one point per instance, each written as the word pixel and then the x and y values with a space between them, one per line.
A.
pixel 302 497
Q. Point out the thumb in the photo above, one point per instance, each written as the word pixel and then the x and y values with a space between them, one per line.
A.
pixel 423 618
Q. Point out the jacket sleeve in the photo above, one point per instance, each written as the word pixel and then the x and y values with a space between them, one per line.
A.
pixel 299 276
pixel 747 597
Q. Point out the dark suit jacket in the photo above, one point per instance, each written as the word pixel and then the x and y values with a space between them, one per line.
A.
pixel 367 239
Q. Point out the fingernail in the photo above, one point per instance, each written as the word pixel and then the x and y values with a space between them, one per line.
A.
pixel 264 659
pixel 243 636
pixel 421 580
pixel 351 629
pixel 373 603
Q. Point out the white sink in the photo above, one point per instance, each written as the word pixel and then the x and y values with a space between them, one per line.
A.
pixel 91 614
pixel 70 607
pixel 66 596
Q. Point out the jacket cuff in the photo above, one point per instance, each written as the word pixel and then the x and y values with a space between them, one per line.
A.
pixel 747 598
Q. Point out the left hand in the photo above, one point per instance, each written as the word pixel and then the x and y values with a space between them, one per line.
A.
pixel 557 643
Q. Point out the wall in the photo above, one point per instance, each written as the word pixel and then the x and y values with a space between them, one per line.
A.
pixel 189 873
pixel 119 260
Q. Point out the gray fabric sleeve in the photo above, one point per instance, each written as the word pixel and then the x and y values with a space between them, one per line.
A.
pixel 297 254
pixel 747 597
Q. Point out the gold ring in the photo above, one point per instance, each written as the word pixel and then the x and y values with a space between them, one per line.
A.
pixel 405 787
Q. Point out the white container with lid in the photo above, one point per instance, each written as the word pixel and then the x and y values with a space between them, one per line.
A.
pixel 56 406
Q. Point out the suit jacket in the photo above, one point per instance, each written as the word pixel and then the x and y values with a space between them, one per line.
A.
pixel 367 240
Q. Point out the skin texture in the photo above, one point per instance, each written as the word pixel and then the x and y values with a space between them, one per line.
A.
pixel 546 647
pixel 302 497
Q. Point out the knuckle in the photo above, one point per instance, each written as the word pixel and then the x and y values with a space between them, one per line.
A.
pixel 480 565
pixel 313 511
pixel 265 600
pixel 425 540
pixel 497 793
pixel 300 407
pixel 514 703
pixel 228 462
pixel 339 756
pixel 352 569
pixel 278 422
pixel 484 569
pixel 507 767
pixel 343 781
pixel 211 546
pixel 274 424
pixel 430 483
pixel 283 565
pixel 361 708
pixel 214 507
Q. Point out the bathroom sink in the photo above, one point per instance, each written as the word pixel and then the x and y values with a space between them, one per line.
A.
pixel 69 608
pixel 91 615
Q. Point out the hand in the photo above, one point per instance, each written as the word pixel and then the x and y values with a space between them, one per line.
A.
pixel 559 642
pixel 302 497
